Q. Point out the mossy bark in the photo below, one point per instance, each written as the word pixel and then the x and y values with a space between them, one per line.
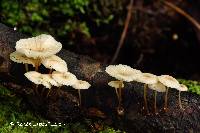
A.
pixel 63 105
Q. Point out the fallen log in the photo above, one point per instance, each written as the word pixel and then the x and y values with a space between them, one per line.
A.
pixel 100 100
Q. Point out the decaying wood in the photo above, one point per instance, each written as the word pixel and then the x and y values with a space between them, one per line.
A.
pixel 63 106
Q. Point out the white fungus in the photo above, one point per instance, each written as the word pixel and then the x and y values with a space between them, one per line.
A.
pixel 66 78
pixel 21 58
pixel 36 78
pixel 122 72
pixel 56 63
pixel 38 47
pixel 80 84
pixel 182 88
pixel 159 87
pixel 115 84
pixel 48 78
pixel 169 81
pixel 147 78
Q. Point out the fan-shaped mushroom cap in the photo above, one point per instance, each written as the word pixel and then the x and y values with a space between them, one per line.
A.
pixel 20 58
pixel 36 78
pixel 55 62
pixel 123 72
pixel 49 79
pixel 38 47
pixel 147 78
pixel 80 84
pixel 115 84
pixel 66 78
pixel 169 81
pixel 182 88
pixel 157 87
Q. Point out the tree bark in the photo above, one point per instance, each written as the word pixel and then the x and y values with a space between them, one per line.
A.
pixel 62 106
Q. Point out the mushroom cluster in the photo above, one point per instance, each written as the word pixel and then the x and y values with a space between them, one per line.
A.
pixel 124 73
pixel 42 50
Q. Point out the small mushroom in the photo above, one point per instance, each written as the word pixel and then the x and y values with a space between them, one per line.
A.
pixel 48 78
pixel 181 88
pixel 66 78
pixel 122 73
pixel 37 78
pixel 116 85
pixel 79 85
pixel 38 47
pixel 21 58
pixel 168 81
pixel 55 62
pixel 157 87
pixel 147 79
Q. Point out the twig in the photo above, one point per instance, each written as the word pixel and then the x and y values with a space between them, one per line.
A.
pixel 186 15
pixel 123 35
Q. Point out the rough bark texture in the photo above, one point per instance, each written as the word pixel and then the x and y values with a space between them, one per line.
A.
pixel 63 106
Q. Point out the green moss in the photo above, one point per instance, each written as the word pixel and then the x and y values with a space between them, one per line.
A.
pixel 14 111
pixel 193 86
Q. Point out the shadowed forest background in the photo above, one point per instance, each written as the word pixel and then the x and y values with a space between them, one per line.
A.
pixel 158 39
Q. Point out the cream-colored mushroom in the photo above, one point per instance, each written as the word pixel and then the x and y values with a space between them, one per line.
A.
pixel 157 87
pixel 116 85
pixel 21 58
pixel 37 78
pixel 79 85
pixel 168 81
pixel 48 78
pixel 122 73
pixel 146 78
pixel 38 47
pixel 56 63
pixel 181 88
pixel 66 78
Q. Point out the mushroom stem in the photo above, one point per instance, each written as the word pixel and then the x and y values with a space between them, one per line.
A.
pixel 37 64
pixel 120 92
pixel 145 99
pixel 36 67
pixel 155 107
pixel 166 97
pixel 26 67
pixel 79 95
pixel 117 94
pixel 120 109
pixel 179 100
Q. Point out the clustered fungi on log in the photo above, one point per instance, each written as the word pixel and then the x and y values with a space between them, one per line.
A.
pixel 63 106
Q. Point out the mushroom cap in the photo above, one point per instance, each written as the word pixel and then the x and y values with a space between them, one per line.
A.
pixel 147 78
pixel 66 78
pixel 123 72
pixel 36 78
pixel 55 62
pixel 48 78
pixel 38 47
pixel 115 84
pixel 80 84
pixel 182 88
pixel 21 58
pixel 169 81
pixel 159 87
